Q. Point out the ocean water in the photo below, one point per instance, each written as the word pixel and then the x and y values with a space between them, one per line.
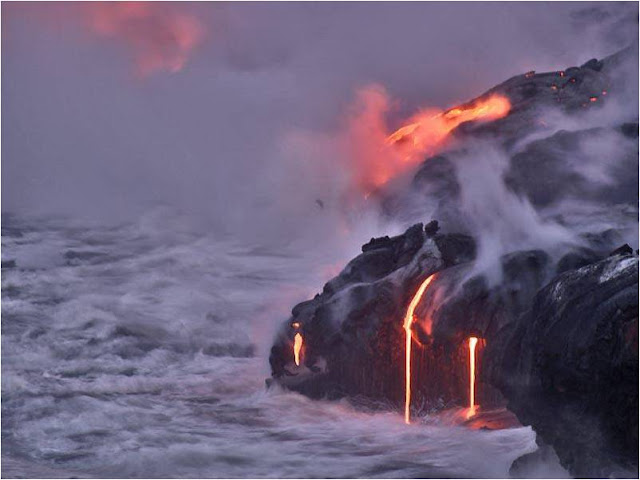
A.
pixel 141 351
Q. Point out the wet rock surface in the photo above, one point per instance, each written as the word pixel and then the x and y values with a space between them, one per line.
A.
pixel 569 367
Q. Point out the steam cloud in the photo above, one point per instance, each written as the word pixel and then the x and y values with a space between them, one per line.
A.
pixel 159 39
pixel 262 132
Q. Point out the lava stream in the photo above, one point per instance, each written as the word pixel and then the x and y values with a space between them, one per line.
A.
pixel 297 348
pixel 473 342
pixel 428 128
pixel 408 321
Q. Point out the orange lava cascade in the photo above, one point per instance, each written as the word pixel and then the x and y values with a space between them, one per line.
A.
pixel 376 154
pixel 473 342
pixel 408 321
pixel 297 348
pixel 429 128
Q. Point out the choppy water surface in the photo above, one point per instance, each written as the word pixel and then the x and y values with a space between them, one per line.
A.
pixel 142 350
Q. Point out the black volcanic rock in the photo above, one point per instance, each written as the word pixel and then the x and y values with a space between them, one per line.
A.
pixel 437 178
pixel 473 307
pixel 353 329
pixel 379 258
pixel 7 264
pixel 630 130
pixel 557 167
pixel 455 248
pixel 558 330
pixel 569 367
pixel 603 242
pixel 431 228
pixel 546 165
pixel 563 353
pixel 577 258
pixel 623 250
pixel 593 64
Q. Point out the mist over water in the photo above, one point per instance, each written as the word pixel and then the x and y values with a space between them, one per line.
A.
pixel 137 351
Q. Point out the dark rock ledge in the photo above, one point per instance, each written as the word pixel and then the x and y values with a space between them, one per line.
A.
pixel 561 349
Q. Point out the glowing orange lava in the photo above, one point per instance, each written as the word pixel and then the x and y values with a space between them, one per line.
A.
pixel 473 342
pixel 429 128
pixel 408 321
pixel 297 348
pixel 376 154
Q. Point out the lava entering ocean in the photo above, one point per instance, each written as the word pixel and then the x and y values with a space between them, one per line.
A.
pixel 408 321
pixel 473 342
pixel 297 348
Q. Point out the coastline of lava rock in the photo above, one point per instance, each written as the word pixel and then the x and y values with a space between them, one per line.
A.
pixel 561 330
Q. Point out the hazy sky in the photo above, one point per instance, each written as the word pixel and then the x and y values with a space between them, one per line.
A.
pixel 109 110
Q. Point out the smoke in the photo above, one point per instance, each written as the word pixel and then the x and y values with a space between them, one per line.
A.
pixel 350 162
pixel 158 38
pixel 499 220
pixel 605 28
pixel 257 130
pixel 154 37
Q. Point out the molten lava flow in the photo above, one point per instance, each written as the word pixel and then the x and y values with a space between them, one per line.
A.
pixel 473 341
pixel 376 154
pixel 408 320
pixel 297 348
pixel 429 128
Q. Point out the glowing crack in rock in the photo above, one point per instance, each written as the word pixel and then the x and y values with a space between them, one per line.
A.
pixel 408 321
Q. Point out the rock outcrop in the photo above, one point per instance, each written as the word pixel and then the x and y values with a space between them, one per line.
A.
pixel 552 156
pixel 562 352
pixel 352 330
pixel 559 332
pixel 569 367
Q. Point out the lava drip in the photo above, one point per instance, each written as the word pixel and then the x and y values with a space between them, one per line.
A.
pixel 297 348
pixel 408 321
pixel 473 342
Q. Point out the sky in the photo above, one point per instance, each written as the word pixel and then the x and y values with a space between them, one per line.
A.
pixel 110 110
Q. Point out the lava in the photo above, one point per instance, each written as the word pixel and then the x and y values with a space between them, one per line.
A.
pixel 408 321
pixel 297 348
pixel 428 129
pixel 473 342
pixel 375 153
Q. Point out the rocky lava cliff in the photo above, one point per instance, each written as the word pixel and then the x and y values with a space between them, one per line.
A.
pixel 559 331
